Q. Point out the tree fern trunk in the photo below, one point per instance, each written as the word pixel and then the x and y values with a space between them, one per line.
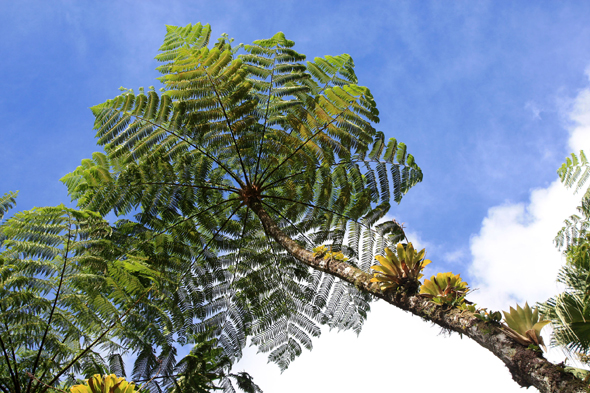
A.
pixel 528 368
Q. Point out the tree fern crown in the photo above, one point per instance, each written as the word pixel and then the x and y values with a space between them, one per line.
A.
pixel 238 125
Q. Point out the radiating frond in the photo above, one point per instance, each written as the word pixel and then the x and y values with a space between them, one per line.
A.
pixel 575 171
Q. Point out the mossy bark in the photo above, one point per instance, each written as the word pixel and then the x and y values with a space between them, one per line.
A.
pixel 528 367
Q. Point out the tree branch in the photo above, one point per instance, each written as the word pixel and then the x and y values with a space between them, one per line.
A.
pixel 228 122
pixel 272 74
pixel 314 207
pixel 528 368
pixel 208 243
pixel 265 178
pixel 160 183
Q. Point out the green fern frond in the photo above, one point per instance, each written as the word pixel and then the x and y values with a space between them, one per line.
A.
pixel 66 276
pixel 568 311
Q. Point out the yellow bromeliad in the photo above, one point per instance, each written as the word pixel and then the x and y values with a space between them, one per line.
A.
pixel 402 270
pixel 445 289
pixel 110 384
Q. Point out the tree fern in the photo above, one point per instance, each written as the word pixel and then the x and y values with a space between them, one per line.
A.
pixel 235 127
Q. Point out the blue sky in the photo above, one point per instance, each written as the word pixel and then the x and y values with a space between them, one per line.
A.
pixel 483 93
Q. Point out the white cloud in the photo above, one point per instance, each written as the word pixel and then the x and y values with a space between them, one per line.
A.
pixel 514 259
pixel 454 256
pixel 535 110
pixel 417 241
pixel 580 117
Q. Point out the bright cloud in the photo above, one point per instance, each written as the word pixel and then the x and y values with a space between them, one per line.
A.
pixel 514 259
pixel 580 117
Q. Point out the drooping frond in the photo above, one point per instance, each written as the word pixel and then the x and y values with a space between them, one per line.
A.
pixel 569 311
pixel 576 227
pixel 230 130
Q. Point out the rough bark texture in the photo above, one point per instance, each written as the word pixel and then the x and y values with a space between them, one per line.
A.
pixel 528 368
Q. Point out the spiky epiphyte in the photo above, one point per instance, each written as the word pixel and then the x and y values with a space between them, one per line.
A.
pixel 523 325
pixel 445 289
pixel 402 270
pixel 108 384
